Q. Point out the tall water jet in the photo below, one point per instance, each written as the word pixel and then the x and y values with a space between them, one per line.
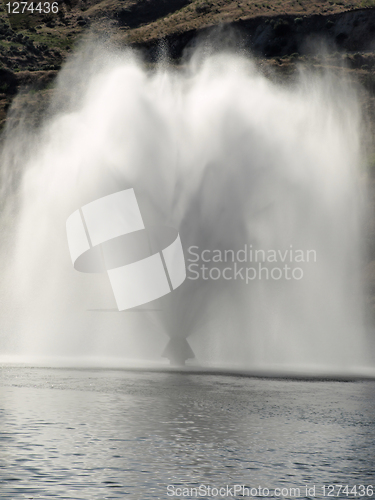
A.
pixel 260 179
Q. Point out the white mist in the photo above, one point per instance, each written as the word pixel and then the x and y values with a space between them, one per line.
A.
pixel 230 159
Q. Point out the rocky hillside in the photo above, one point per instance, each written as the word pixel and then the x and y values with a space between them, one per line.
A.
pixel 33 41
pixel 34 45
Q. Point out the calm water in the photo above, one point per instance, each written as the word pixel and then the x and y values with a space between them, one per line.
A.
pixel 96 434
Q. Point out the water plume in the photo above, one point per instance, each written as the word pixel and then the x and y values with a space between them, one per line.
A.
pixel 238 164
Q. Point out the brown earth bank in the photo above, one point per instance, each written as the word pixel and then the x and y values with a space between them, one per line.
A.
pixel 281 34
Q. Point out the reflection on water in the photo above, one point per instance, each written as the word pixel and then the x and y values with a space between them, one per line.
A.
pixel 86 434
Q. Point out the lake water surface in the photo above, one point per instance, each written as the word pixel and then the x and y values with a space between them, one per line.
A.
pixel 103 434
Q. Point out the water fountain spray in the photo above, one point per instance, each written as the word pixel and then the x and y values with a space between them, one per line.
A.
pixel 231 159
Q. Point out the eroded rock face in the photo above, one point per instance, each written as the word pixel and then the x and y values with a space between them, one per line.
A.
pixel 279 36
